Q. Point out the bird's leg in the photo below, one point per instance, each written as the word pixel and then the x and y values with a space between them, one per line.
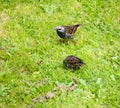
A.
pixel 62 41
pixel 72 69
pixel 74 42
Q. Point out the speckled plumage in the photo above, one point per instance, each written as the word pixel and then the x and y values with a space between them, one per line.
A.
pixel 73 62
pixel 67 31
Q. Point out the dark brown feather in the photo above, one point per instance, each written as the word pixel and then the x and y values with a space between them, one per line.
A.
pixel 71 29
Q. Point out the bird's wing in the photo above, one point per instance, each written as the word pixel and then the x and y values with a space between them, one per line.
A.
pixel 76 61
pixel 73 61
pixel 70 29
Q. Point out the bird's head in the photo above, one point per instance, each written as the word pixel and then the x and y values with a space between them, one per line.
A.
pixel 60 29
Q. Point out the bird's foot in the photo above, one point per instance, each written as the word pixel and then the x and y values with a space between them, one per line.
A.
pixel 61 41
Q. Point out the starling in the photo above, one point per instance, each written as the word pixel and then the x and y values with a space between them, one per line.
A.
pixel 67 31
pixel 73 62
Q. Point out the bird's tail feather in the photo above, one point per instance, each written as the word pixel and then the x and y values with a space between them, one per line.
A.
pixel 77 25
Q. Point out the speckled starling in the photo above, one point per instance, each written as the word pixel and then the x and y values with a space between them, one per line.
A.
pixel 67 31
pixel 73 62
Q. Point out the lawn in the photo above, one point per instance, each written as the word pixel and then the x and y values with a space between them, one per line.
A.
pixel 31 54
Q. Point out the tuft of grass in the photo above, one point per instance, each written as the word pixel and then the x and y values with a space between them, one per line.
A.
pixel 31 56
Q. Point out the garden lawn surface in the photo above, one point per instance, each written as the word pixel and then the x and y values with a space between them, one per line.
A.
pixel 32 74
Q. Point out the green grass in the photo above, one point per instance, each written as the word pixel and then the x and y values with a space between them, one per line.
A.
pixel 31 56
